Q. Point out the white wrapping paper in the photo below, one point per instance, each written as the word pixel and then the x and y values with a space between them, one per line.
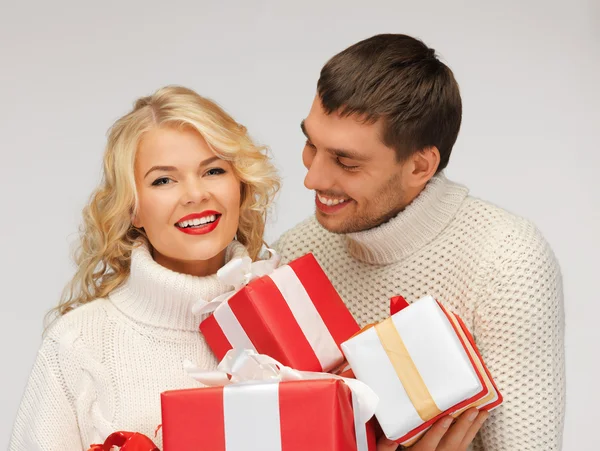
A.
pixel 438 355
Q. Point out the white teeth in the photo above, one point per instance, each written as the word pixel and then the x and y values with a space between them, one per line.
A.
pixel 330 202
pixel 197 221
pixel 207 219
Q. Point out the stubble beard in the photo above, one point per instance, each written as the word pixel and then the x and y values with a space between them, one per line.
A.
pixel 389 201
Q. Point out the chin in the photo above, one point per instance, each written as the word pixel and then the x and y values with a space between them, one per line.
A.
pixel 343 226
pixel 330 224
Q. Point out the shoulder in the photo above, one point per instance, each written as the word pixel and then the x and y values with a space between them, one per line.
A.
pixel 504 229
pixel 84 322
pixel 514 246
pixel 307 236
pixel 70 342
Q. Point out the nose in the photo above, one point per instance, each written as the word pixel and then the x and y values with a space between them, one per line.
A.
pixel 195 192
pixel 318 177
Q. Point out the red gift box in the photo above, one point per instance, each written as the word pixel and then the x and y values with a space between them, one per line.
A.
pixel 294 314
pixel 266 416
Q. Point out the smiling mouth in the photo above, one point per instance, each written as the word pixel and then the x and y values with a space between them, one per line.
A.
pixel 197 222
pixel 332 201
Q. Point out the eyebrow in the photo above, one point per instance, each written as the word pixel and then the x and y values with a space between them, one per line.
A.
pixel 341 153
pixel 173 168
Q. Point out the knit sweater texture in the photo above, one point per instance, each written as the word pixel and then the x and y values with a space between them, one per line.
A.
pixel 492 268
pixel 102 366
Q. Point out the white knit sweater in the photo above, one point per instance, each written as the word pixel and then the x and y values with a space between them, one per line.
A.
pixel 492 268
pixel 102 367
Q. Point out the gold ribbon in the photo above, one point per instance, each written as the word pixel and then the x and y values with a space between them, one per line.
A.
pixel 406 370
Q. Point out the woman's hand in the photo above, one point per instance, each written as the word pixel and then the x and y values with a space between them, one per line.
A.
pixel 443 435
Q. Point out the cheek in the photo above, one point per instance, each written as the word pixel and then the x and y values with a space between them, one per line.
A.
pixel 377 194
pixel 154 208
pixel 143 212
pixel 354 187
pixel 231 198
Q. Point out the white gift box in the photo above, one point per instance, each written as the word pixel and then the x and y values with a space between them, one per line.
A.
pixel 422 366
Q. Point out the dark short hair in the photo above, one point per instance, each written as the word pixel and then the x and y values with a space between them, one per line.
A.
pixel 399 79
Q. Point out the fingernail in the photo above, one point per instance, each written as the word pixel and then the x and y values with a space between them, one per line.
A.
pixel 483 416
pixel 446 422
pixel 472 415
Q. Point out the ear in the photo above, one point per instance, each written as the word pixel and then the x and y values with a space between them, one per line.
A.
pixel 135 220
pixel 422 166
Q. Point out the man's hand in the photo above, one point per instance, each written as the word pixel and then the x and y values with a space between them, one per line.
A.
pixel 443 435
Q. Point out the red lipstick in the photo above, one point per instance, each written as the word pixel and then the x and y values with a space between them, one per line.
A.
pixel 201 229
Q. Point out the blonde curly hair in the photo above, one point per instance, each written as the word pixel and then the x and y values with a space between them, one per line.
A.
pixel 108 236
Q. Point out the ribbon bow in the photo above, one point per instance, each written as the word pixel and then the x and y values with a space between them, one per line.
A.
pixel 245 365
pixel 127 441
pixel 238 273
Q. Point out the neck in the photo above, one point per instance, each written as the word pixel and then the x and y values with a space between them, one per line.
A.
pixel 159 296
pixel 199 268
pixel 410 194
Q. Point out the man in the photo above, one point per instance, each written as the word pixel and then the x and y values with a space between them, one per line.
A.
pixel 388 222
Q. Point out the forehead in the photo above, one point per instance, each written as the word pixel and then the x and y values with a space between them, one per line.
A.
pixel 173 144
pixel 343 132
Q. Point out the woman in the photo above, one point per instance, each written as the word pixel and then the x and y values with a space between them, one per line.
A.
pixel 184 191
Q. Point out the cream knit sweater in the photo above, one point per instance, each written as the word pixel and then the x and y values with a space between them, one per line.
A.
pixel 492 268
pixel 102 367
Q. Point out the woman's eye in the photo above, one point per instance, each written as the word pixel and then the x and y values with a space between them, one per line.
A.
pixel 161 181
pixel 215 171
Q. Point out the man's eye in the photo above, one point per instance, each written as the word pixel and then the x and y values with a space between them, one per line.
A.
pixel 215 171
pixel 161 181
pixel 309 144
pixel 346 167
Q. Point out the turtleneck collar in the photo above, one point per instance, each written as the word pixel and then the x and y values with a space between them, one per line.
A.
pixel 418 224
pixel 159 297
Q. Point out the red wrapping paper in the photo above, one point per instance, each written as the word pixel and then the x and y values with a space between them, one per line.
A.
pixel 314 415
pixel 265 316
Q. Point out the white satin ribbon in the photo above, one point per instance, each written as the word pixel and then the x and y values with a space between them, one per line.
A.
pixel 243 365
pixel 238 273
pixel 231 327
pixel 308 318
pixel 263 431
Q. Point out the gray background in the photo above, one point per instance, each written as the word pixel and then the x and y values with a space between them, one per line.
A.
pixel 529 142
